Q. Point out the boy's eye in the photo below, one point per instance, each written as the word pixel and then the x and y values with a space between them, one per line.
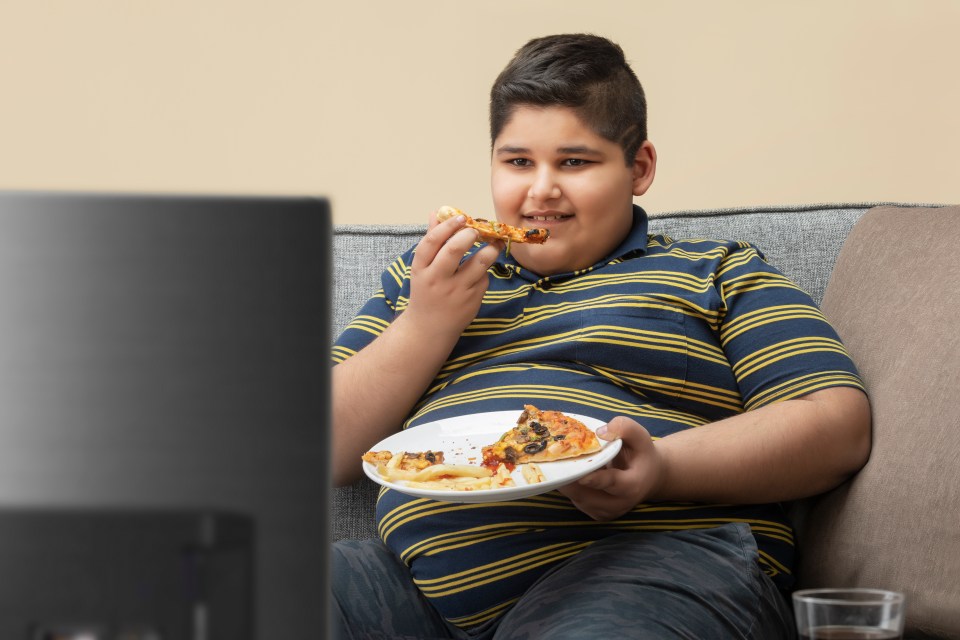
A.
pixel 575 162
pixel 519 162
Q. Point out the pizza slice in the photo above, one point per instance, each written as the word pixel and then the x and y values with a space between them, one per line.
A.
pixel 493 230
pixel 411 461
pixel 541 436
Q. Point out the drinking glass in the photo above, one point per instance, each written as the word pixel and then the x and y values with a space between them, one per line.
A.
pixel 849 614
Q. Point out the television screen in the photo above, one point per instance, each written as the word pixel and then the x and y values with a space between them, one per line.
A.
pixel 164 389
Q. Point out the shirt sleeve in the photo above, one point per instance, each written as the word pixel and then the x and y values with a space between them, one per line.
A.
pixel 779 344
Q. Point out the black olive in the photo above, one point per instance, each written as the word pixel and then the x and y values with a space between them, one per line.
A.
pixel 535 447
pixel 430 457
pixel 559 437
pixel 539 429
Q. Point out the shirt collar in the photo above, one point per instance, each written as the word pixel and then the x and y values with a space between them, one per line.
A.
pixel 636 241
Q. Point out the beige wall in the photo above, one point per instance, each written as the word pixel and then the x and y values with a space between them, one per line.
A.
pixel 382 105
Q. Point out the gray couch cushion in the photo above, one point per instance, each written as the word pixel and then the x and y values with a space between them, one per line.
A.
pixel 361 253
pixel 895 300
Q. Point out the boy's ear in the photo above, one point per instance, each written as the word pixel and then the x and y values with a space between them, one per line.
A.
pixel 644 168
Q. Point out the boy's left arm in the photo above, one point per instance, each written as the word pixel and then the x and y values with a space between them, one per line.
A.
pixel 781 451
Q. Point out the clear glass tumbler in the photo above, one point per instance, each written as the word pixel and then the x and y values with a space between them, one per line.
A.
pixel 849 614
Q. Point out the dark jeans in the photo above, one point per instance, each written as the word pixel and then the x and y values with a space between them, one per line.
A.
pixel 696 584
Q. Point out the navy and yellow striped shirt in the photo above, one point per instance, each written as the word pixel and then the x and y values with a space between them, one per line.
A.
pixel 672 333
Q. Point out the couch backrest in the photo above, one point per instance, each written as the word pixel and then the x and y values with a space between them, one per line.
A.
pixel 361 253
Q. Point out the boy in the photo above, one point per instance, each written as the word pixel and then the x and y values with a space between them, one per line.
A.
pixel 722 379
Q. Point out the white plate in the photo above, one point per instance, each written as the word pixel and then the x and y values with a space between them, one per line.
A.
pixel 462 438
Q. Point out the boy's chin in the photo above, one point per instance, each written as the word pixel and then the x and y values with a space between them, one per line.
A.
pixel 543 261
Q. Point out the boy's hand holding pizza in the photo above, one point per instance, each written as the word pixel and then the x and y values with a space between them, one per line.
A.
pixel 445 286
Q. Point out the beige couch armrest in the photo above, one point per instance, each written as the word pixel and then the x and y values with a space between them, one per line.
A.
pixel 894 297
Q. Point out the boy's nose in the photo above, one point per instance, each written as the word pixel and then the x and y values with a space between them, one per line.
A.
pixel 544 186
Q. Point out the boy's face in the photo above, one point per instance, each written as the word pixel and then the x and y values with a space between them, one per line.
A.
pixel 549 170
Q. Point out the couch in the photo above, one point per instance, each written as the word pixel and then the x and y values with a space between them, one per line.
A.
pixel 886 277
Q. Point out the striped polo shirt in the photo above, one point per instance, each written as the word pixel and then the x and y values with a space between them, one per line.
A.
pixel 672 333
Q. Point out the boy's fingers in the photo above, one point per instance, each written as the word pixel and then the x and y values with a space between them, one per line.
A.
pixel 498 245
pixel 481 261
pixel 631 432
pixel 445 244
pixel 449 235
pixel 599 505
pixel 600 480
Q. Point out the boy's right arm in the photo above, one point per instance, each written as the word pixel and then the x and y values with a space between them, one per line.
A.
pixel 374 391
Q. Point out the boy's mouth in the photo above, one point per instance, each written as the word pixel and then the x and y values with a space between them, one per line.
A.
pixel 547 216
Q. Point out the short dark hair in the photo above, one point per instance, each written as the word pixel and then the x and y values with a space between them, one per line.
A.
pixel 584 72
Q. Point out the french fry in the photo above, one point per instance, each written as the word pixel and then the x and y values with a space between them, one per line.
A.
pixel 446 477
pixel 452 470
pixel 454 484
pixel 393 473
pixel 532 473
pixel 502 477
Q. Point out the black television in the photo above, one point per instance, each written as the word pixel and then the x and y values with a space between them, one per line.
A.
pixel 164 408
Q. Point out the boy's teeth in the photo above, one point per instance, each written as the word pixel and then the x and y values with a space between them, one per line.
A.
pixel 545 218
